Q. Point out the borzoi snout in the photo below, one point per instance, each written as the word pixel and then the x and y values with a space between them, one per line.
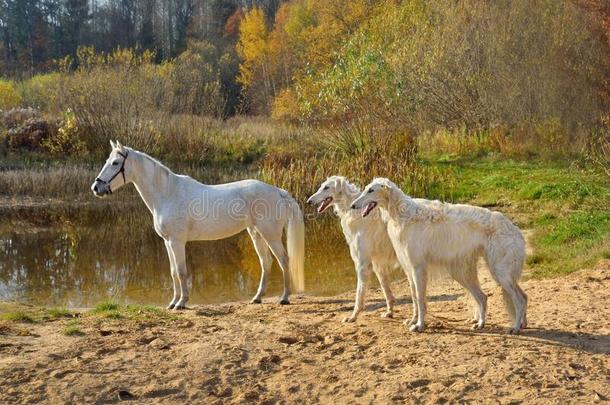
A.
pixel 451 237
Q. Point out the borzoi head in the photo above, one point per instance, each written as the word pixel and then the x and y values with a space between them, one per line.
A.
pixel 335 189
pixel 112 175
pixel 377 193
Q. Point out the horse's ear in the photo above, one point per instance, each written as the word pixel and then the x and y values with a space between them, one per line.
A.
pixel 119 146
pixel 112 144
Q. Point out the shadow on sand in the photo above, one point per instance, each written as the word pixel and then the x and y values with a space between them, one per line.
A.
pixel 582 341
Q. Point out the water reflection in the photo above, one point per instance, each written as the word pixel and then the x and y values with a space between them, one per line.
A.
pixel 78 257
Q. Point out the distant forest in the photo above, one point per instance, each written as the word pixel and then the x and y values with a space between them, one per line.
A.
pixel 414 63
pixel 34 32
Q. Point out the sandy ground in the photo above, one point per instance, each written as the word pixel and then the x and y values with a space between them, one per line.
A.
pixel 302 353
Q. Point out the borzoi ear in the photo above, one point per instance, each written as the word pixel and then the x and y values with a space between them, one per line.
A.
pixel 385 184
pixel 340 184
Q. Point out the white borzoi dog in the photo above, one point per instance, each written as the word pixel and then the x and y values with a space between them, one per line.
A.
pixel 367 238
pixel 451 237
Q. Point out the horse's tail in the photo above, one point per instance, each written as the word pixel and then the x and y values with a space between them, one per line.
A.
pixel 295 241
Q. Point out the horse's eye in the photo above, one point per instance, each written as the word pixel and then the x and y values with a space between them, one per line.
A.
pixel 370 190
pixel 326 188
pixel 115 163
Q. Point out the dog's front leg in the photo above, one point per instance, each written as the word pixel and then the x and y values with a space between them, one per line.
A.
pixel 420 279
pixel 362 271
pixel 413 319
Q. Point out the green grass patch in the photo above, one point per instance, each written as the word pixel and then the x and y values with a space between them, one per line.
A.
pixel 565 206
pixel 72 328
pixel 113 311
pixel 106 306
pixel 18 316
pixel 571 242
pixel 113 315
pixel 54 313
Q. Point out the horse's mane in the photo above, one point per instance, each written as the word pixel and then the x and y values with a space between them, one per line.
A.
pixel 157 163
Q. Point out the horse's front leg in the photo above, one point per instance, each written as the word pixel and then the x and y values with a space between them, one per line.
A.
pixel 178 251
pixel 175 281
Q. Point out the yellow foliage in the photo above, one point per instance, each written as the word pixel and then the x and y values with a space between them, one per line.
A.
pixel 41 91
pixel 285 105
pixel 66 141
pixel 252 45
pixel 9 97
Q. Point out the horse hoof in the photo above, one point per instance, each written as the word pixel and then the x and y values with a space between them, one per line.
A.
pixel 349 319
pixel 256 301
pixel 284 302
pixel 179 307
pixel 513 331
pixel 477 327
pixel 170 306
pixel 387 314
pixel 416 328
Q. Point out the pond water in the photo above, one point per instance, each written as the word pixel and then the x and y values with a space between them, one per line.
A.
pixel 77 256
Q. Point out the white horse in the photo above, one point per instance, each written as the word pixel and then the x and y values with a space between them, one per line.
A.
pixel 368 240
pixel 451 237
pixel 185 210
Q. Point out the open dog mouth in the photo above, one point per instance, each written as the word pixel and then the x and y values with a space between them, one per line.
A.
pixel 324 204
pixel 369 207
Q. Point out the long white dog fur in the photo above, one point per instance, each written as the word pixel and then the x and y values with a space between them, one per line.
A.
pixel 184 210
pixel 367 238
pixel 451 237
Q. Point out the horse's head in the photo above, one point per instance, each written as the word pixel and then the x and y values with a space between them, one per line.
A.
pixel 112 175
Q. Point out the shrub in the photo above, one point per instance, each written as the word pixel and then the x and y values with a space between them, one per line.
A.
pixel 41 91
pixel 468 63
pixel 9 96
pixel 65 141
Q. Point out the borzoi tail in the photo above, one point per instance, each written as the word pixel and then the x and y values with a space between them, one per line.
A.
pixel 295 241
pixel 505 255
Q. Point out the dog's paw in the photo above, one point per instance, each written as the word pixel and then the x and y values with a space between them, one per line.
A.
pixel 349 319
pixel 387 314
pixel 416 328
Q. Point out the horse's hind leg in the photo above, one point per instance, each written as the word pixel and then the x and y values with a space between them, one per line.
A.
pixel 272 234
pixel 178 250
pixel 264 256
pixel 176 282
pixel 277 248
